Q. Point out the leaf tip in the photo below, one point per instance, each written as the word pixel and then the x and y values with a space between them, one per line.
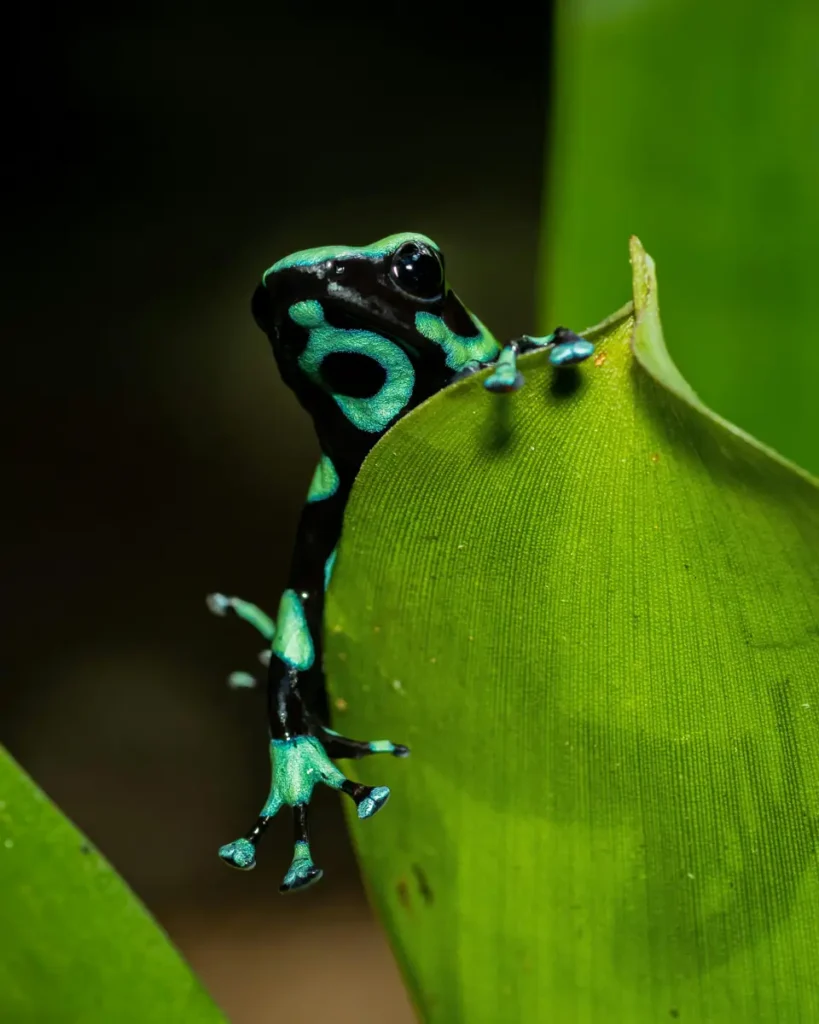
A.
pixel 643 276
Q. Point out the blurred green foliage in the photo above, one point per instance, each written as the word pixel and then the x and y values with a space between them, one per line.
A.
pixel 76 946
pixel 692 124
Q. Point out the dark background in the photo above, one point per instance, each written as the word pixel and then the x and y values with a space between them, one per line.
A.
pixel 157 159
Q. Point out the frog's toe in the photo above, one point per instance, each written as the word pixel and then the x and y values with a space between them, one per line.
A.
pixel 221 604
pixel 503 381
pixel 241 854
pixel 218 604
pixel 242 681
pixel 568 348
pixel 302 872
pixel 343 748
pixel 388 747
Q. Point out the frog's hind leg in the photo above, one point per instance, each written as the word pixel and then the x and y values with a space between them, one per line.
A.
pixel 298 764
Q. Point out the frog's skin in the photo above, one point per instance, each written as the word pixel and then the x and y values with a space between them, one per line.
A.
pixel 361 335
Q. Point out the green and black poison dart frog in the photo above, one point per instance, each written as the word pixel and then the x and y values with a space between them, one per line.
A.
pixel 361 336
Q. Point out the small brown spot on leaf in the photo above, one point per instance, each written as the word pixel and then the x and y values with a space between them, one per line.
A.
pixel 655 457
pixel 600 358
pixel 403 894
pixel 340 704
pixel 424 889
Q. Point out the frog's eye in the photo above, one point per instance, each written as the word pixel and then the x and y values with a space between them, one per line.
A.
pixel 418 271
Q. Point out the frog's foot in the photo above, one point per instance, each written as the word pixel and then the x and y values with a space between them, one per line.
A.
pixel 506 376
pixel 568 348
pixel 342 747
pixel 298 764
pixel 241 853
pixel 302 871
pixel 368 799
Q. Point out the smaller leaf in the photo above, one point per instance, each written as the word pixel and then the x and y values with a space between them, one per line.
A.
pixel 77 945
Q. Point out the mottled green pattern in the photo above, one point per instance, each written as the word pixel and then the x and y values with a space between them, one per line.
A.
pixel 378 250
pixel 325 481
pixel 292 642
pixel 459 350
pixel 612 702
pixel 369 414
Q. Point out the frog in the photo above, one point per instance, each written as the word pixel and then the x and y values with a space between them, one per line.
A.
pixel 361 335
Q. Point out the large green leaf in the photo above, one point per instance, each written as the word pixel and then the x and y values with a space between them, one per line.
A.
pixel 690 123
pixel 593 613
pixel 76 946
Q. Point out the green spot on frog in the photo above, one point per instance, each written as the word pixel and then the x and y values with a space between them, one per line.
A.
pixel 325 481
pixel 460 350
pixel 292 642
pixel 370 414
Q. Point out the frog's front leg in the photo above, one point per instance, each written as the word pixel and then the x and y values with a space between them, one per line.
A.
pixel 301 745
pixel 221 605
pixel 567 349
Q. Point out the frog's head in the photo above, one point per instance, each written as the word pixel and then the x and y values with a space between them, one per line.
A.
pixel 369 331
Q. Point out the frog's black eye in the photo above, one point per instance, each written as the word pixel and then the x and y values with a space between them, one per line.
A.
pixel 418 271
pixel 352 374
